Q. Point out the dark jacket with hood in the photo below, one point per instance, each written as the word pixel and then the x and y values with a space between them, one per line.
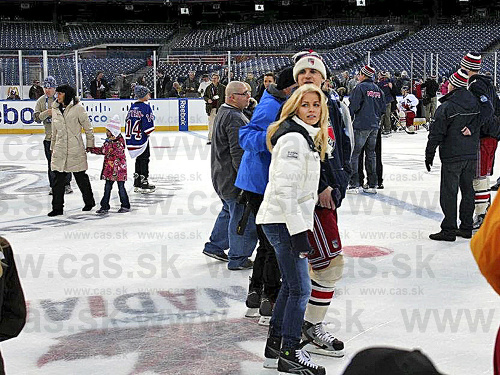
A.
pixel 489 103
pixel 210 92
pixel 431 87
pixel 12 303
pixel 385 85
pixel 459 109
pixel 366 105
pixel 336 170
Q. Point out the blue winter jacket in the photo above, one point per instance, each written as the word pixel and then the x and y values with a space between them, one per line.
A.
pixel 253 173
pixel 366 105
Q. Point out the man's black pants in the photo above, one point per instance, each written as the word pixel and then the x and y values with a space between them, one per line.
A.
pixel 454 176
pixel 266 271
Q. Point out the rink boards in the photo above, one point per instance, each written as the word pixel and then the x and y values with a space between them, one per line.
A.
pixel 17 117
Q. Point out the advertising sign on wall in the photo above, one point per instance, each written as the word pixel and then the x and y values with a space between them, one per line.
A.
pixel 170 114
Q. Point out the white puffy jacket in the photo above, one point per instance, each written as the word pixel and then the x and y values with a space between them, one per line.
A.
pixel 291 192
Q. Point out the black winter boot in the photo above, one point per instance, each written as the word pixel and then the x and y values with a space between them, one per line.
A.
pixel 443 236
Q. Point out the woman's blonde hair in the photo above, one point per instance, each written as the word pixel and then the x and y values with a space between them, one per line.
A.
pixel 289 110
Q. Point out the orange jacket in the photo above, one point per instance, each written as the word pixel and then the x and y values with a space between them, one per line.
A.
pixel 485 246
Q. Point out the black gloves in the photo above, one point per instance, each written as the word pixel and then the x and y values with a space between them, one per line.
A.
pixel 300 244
pixel 428 164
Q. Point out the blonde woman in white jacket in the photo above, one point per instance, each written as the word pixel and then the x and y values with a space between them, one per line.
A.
pixel 297 142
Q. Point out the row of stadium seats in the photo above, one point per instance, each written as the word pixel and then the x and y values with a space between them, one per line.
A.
pixel 335 36
pixel 390 50
pixel 276 36
pixel 63 69
pixel 39 36
pixel 205 38
pixel 266 37
pixel 16 36
pixel 9 71
pixel 450 42
pixel 269 37
pixel 87 35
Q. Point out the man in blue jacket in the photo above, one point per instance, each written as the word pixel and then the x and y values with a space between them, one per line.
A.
pixel 366 105
pixel 253 175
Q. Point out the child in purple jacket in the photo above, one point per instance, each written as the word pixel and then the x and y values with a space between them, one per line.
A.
pixel 115 166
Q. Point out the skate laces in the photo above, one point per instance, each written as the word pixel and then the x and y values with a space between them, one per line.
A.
pixel 304 358
pixel 320 332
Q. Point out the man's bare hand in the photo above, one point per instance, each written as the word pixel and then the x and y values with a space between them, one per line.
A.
pixel 326 200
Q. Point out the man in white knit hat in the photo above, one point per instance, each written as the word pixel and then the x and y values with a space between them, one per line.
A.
pixel 326 264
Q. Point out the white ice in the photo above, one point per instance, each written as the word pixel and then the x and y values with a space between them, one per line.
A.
pixel 426 295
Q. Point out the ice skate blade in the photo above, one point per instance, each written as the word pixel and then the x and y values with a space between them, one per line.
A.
pixel 270 363
pixel 310 348
pixel 144 191
pixel 252 313
pixel 264 320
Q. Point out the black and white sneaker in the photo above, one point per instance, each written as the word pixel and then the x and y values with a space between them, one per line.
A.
pixel 253 300
pixel 272 352
pixel 354 190
pixel 370 190
pixel 246 265
pixel 265 310
pixel 222 256
pixel 67 189
pixel 320 341
pixel 298 361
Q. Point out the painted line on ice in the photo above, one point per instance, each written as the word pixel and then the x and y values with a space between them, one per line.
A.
pixel 197 135
pixel 421 211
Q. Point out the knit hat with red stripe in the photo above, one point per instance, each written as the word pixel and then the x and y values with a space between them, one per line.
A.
pixel 459 78
pixel 368 71
pixel 471 61
pixel 308 59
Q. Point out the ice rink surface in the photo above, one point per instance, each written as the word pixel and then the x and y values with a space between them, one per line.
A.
pixel 132 293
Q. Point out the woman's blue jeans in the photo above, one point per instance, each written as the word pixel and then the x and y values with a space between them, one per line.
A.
pixel 288 312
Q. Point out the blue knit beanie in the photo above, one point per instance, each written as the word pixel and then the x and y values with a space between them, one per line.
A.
pixel 140 91
pixel 49 82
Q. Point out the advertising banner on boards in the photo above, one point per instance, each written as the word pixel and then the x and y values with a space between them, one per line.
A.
pixel 170 114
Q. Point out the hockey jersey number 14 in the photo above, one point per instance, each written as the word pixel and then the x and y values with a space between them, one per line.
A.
pixel 139 124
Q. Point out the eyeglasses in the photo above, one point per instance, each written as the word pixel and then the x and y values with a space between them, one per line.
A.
pixel 246 93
